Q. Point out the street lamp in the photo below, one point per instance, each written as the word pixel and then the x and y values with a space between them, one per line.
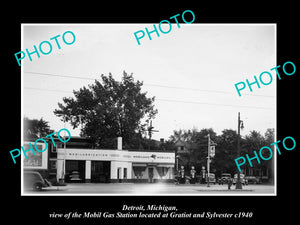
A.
pixel 177 159
pixel 240 126
pixel 208 160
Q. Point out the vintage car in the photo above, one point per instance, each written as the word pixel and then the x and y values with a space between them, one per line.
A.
pixel 34 180
pixel 212 178
pixel 253 180
pixel 224 178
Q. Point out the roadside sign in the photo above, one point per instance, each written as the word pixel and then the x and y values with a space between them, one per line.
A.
pixel 212 151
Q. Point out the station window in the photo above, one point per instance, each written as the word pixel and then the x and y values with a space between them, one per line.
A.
pixel 125 173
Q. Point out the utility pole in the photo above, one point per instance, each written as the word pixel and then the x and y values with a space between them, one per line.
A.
pixel 150 131
pixel 240 125
pixel 208 160
pixel 177 165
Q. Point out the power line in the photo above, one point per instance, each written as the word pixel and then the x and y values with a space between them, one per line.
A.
pixel 59 75
pixel 213 104
pixel 153 85
pixel 203 90
pixel 43 89
pixel 169 100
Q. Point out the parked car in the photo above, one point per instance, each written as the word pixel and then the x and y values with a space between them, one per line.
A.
pixel 212 178
pixel 242 178
pixel 224 178
pixel 253 180
pixel 34 180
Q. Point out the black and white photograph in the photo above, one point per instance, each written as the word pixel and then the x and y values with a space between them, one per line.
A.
pixel 162 117
pixel 133 114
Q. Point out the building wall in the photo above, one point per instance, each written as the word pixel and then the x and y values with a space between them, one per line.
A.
pixel 119 166
pixel 121 161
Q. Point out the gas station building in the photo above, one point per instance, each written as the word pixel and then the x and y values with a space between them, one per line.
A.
pixel 108 166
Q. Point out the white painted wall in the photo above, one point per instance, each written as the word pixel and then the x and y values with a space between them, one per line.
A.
pixel 117 164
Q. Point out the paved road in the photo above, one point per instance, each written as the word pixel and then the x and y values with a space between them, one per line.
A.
pixel 153 189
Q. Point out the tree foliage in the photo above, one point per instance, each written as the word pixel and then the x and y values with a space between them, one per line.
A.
pixel 107 109
pixel 34 129
pixel 226 149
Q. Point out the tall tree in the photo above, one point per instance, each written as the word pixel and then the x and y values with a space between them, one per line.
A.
pixel 184 135
pixel 269 139
pixel 108 109
pixel 269 136
pixel 254 142
pixel 226 152
pixel 200 150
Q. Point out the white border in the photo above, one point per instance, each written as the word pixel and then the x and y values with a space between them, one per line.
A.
pixel 129 194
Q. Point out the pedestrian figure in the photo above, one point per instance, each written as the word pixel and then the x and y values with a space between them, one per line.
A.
pixel 150 178
pixel 150 174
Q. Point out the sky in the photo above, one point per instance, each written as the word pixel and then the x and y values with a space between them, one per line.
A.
pixel 191 71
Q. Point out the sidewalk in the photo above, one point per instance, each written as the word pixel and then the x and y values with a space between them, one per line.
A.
pixel 155 188
pixel 216 187
pixel 144 188
pixel 196 188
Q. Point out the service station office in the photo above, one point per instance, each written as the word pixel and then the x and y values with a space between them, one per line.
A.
pixel 101 165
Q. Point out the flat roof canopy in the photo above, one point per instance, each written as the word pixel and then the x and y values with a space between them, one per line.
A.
pixel 116 155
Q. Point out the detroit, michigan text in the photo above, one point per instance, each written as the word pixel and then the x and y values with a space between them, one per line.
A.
pixel 150 207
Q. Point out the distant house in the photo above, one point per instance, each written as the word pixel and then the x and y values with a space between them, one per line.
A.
pixel 182 147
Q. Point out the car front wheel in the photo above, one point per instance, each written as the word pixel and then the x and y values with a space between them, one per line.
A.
pixel 37 187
